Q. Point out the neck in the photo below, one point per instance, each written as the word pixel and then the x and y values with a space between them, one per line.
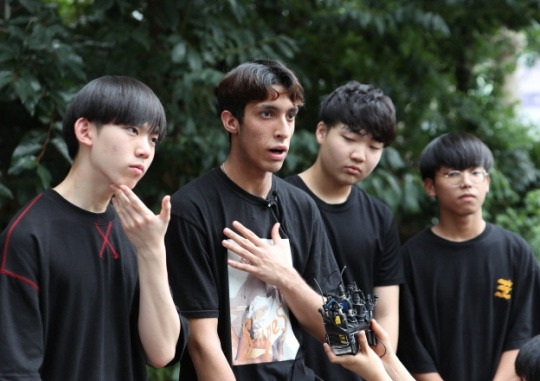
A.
pixel 465 229
pixel 254 181
pixel 83 192
pixel 323 186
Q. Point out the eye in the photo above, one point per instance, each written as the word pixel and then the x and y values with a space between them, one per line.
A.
pixel 349 138
pixel 453 174
pixel 154 139
pixel 266 114
pixel 132 129
pixel 477 173
pixel 292 116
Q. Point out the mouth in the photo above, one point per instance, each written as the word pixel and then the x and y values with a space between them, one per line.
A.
pixel 278 152
pixel 352 169
pixel 137 168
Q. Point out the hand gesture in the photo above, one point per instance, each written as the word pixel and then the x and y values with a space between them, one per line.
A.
pixel 144 229
pixel 266 261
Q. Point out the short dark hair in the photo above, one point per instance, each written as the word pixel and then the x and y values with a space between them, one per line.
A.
pixel 363 109
pixel 454 150
pixel 528 360
pixel 114 99
pixel 253 82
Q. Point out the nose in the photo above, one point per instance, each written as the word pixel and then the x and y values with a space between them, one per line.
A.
pixel 144 149
pixel 358 153
pixel 285 128
pixel 466 179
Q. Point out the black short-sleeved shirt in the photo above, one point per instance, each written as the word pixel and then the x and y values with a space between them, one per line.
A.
pixel 201 279
pixel 364 238
pixel 465 303
pixel 69 295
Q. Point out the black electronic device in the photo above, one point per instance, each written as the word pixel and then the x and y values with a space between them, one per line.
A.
pixel 345 314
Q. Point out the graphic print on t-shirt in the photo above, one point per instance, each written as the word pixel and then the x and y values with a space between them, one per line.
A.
pixel 261 328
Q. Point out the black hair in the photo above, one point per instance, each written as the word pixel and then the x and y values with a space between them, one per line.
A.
pixel 363 109
pixel 114 100
pixel 253 82
pixel 527 363
pixel 454 150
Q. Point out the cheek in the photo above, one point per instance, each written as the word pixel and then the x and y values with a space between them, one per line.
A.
pixel 373 159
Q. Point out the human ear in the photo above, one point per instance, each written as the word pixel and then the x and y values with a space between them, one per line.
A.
pixel 429 186
pixel 320 132
pixel 83 131
pixel 229 122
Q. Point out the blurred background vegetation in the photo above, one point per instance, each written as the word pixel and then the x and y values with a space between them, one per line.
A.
pixel 447 64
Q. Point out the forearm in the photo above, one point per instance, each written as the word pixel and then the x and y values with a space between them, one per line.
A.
pixel 387 311
pixel 395 369
pixel 212 366
pixel 506 370
pixel 427 377
pixel 304 303
pixel 159 323
pixel 204 348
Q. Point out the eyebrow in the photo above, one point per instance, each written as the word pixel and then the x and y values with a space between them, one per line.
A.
pixel 267 106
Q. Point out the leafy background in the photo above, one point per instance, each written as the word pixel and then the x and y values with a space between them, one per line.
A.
pixel 447 64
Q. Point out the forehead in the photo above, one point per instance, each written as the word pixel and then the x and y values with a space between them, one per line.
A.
pixel 282 102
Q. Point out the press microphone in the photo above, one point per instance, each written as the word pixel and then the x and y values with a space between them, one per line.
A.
pixel 271 203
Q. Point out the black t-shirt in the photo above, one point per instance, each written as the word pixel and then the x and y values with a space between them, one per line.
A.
pixel 201 279
pixel 465 303
pixel 69 295
pixel 364 238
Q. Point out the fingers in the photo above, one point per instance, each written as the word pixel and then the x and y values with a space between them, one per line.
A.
pixel 165 213
pixel 331 356
pixel 362 341
pixel 244 244
pixel 275 233
pixel 379 331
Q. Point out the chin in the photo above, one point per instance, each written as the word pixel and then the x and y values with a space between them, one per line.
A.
pixel 275 167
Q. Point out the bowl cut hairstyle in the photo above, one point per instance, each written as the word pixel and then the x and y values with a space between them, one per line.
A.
pixel 116 100
pixel 254 81
pixel 363 109
pixel 454 150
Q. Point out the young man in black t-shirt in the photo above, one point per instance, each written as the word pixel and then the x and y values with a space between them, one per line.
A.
pixel 83 284
pixel 356 122
pixel 469 301
pixel 243 292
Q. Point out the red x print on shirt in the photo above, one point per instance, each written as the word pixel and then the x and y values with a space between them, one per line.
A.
pixel 106 242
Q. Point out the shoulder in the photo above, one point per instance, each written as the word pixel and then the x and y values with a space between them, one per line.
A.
pixel 293 193
pixel 197 191
pixel 370 202
pixel 35 212
pixel 294 179
pixel 420 238
pixel 295 201
pixel 504 237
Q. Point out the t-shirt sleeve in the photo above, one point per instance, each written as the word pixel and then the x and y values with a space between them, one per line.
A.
pixel 411 351
pixel 321 265
pixel 21 323
pixel 190 268
pixel 523 323
pixel 390 269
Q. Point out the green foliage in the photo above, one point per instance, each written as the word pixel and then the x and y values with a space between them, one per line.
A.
pixel 525 219
pixel 444 63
